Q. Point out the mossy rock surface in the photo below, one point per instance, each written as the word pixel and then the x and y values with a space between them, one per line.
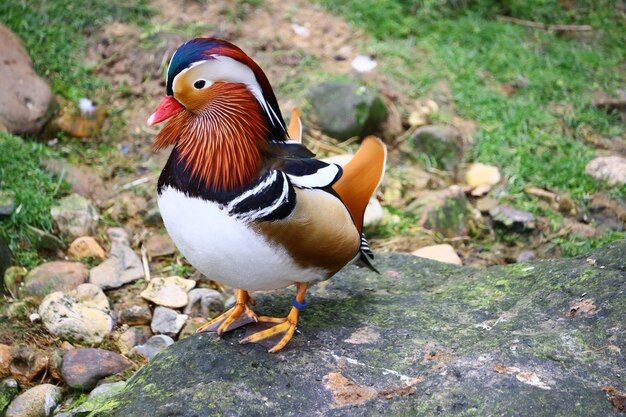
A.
pixel 420 339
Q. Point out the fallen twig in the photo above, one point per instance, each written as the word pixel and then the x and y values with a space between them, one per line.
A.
pixel 136 182
pixel 144 262
pixel 546 26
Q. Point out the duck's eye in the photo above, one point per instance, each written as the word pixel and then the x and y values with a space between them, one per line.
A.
pixel 199 84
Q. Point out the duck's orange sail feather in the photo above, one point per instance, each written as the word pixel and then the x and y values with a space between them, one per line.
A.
pixel 361 176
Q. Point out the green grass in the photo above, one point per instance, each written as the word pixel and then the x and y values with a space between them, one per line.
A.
pixel 35 192
pixel 54 34
pixel 463 43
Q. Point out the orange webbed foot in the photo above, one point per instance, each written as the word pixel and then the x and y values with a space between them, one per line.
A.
pixel 239 315
pixel 276 337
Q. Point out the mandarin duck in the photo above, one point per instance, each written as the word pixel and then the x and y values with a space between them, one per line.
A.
pixel 243 200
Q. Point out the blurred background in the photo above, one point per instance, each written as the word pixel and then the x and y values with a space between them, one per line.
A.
pixel 505 122
pixel 533 91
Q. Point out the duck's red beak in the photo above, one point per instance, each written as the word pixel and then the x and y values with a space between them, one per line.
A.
pixel 168 107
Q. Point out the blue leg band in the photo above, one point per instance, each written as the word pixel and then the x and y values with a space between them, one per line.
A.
pixel 297 305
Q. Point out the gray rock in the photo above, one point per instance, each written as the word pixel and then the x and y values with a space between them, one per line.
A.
pixel 167 321
pixel 525 255
pixel 443 144
pixel 53 276
pixel 345 110
pixel 109 388
pixel 118 235
pixel 122 267
pixel 38 401
pixel 133 313
pixel 160 245
pixel 83 368
pixel 98 399
pixel 445 211
pixel 7 202
pixel 75 216
pixel 153 346
pixel 45 241
pixel 422 338
pixel 153 217
pixel 26 100
pixel 512 218
pixel 204 302
pixel 8 391
pixel 81 315
pixel 133 336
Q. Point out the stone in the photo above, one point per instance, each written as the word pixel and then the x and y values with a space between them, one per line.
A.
pixel 153 346
pixel 127 205
pixel 168 292
pixel 83 368
pixel 28 364
pixel 5 360
pixel 345 110
pixel 609 168
pixel 133 313
pixel 7 202
pixel 98 400
pixel 133 336
pixel 204 302
pixel 512 218
pixel 153 217
pixel 45 241
pixel 446 333
pixel 442 253
pixel 86 247
pixel 442 144
pixel 53 276
pixel 8 391
pixel 38 401
pixel 481 178
pixel 374 213
pixel 83 180
pixel 122 267
pixel 81 315
pixel 167 321
pixel 118 235
pixel 525 255
pixel 75 216
pixel 445 211
pixel 191 327
pixel 26 101
pixel 160 245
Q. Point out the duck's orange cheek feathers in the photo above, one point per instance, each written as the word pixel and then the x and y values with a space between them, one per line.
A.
pixel 169 107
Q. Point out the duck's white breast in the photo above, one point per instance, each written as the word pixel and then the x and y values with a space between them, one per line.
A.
pixel 227 249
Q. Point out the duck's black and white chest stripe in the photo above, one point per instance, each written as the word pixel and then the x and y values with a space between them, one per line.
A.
pixel 269 197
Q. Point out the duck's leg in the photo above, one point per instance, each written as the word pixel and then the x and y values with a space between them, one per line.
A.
pixel 239 315
pixel 284 328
